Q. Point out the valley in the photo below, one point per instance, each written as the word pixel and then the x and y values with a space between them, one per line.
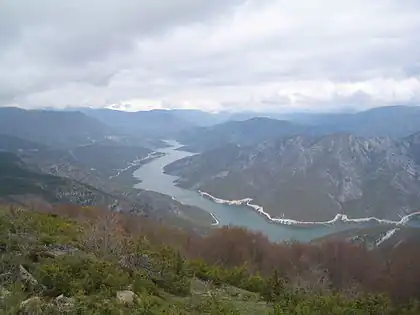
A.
pixel 287 179
pixel 249 196
pixel 238 213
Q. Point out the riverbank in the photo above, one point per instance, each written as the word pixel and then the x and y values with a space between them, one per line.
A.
pixel 242 213
pixel 338 219
pixel 216 222
pixel 125 176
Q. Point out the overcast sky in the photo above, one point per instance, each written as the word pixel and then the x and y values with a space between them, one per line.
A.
pixel 210 54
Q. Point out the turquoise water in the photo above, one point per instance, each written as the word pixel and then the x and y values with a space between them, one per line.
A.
pixel 152 178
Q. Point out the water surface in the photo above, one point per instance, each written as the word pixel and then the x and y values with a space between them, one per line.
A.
pixel 153 178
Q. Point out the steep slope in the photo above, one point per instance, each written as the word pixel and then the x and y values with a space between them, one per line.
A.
pixel 412 144
pixel 55 128
pixel 25 185
pixel 110 158
pixel 103 158
pixel 378 237
pixel 246 132
pixel 311 178
pixel 14 144
pixel 19 183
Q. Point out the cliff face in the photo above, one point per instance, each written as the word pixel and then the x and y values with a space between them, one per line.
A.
pixel 312 178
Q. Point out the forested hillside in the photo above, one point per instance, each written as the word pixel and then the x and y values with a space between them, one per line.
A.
pixel 75 260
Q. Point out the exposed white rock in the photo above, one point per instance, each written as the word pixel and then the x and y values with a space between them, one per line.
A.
pixel 387 236
pixel 25 276
pixel 339 218
pixel 63 303
pixel 126 297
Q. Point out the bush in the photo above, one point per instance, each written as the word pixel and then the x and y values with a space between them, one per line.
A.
pixel 214 305
pixel 312 304
pixel 143 284
pixel 70 275
pixel 173 271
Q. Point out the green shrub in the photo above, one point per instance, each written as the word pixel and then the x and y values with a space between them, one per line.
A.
pixel 312 304
pixel 173 271
pixel 275 287
pixel 214 305
pixel 70 275
pixel 143 284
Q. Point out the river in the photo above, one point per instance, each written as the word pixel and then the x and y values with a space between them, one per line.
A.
pixel 153 178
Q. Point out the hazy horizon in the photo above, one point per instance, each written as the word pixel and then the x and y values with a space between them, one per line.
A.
pixel 237 110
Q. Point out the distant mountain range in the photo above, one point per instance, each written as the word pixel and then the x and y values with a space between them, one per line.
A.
pixel 368 123
pixel 251 131
pixel 391 121
pixel 312 178
pixel 191 117
pixel 191 125
pixel 395 122
pixel 156 123
pixel 61 129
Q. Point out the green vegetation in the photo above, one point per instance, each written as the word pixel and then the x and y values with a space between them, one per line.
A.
pixel 87 261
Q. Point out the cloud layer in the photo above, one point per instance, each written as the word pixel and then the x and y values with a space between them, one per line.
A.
pixel 219 54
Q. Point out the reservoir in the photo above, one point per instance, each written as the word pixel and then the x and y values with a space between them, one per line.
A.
pixel 153 178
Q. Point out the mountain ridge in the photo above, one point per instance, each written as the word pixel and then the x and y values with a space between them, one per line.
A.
pixel 247 132
pixel 339 173
pixel 257 127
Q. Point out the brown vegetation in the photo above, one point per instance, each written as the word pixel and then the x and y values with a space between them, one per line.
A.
pixel 336 266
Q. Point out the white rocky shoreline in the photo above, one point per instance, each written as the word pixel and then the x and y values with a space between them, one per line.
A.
pixel 216 222
pixel 137 162
pixel 338 219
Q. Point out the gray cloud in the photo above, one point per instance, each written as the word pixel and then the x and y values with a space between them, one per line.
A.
pixel 210 54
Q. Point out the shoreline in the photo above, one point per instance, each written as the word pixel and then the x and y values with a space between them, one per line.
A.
pixel 137 163
pixel 339 218
pixel 216 222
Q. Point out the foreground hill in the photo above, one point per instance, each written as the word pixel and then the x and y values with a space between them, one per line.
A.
pixel 312 178
pixel 88 261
